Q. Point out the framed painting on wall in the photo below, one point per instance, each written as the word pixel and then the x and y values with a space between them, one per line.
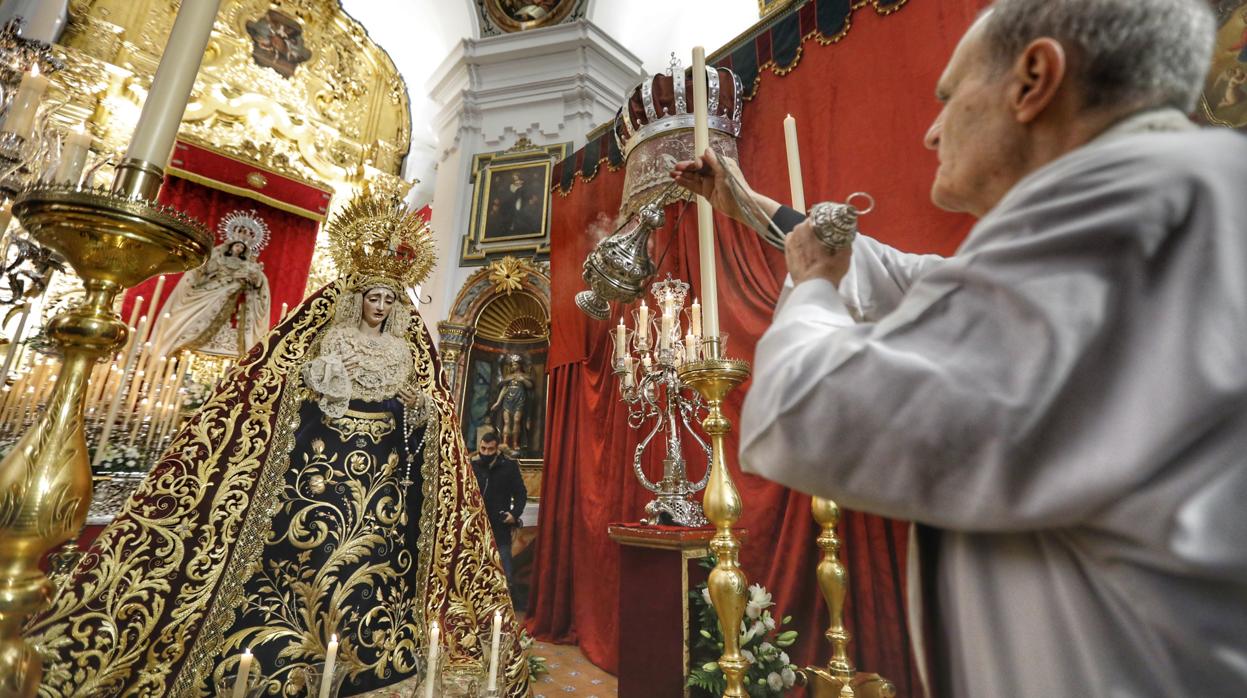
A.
pixel 1224 102
pixel 511 203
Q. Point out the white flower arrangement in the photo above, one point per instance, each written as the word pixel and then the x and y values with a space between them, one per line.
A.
pixel 770 672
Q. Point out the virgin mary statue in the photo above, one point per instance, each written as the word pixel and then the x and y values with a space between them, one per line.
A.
pixel 323 489
pixel 221 307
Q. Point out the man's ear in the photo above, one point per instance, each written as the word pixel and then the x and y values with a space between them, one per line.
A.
pixel 1038 75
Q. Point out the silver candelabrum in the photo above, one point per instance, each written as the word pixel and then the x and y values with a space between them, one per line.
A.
pixel 646 362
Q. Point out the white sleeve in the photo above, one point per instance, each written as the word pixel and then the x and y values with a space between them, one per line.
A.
pixel 879 276
pixel 980 402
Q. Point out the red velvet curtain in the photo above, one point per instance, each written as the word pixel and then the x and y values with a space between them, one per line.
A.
pixel 287 258
pixel 862 106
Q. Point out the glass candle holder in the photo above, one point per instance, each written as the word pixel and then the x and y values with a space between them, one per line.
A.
pixel 227 686
pixel 314 680
pixel 506 647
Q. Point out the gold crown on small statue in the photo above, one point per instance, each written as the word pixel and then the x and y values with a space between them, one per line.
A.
pixel 379 239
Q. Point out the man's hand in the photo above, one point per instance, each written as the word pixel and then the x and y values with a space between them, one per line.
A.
pixel 810 259
pixel 706 176
pixel 509 519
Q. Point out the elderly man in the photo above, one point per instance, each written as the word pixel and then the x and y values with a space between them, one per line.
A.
pixel 1062 405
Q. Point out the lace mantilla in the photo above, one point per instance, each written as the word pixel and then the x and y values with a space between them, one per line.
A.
pixel 382 363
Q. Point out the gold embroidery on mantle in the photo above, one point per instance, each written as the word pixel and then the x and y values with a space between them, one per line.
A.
pixel 374 425
pixel 107 633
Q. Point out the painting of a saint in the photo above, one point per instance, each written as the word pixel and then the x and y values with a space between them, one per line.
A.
pixel 1225 92
pixel 277 42
pixel 515 202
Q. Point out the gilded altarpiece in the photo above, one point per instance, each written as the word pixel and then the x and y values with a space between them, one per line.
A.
pixel 295 86
pixel 494 347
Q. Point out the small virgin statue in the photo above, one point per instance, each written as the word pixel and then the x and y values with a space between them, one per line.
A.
pixel 223 306
pixel 323 490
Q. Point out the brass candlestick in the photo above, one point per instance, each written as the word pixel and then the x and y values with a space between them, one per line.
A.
pixel 114 240
pixel 838 679
pixel 714 377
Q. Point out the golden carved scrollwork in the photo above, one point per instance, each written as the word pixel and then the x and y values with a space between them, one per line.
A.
pixel 340 118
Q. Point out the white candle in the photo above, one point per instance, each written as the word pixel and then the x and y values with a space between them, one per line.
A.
pixel 331 657
pixel 244 671
pixel 690 348
pixel 705 214
pixel 134 315
pixel 21 116
pixel 115 406
pixel 642 323
pixel 664 339
pixel 73 156
pixel 160 288
pixel 284 308
pixel 627 367
pixel 171 88
pixel 695 317
pixel 495 644
pixel 794 164
pixel 621 340
pixel 14 341
pixel 430 679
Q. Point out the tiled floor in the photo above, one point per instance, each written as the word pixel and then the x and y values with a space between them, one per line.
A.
pixel 571 674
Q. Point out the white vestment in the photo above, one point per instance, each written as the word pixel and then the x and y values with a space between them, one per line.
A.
pixel 1065 401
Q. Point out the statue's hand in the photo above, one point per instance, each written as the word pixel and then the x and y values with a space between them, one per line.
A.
pixel 410 395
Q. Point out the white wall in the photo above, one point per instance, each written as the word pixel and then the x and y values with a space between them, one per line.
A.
pixel 652 29
pixel 418 34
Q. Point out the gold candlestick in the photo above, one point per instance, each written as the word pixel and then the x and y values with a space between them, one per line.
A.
pixel 714 377
pixel 114 241
pixel 838 678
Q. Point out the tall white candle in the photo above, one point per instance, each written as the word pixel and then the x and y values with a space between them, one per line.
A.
pixel 664 337
pixel 705 214
pixel 695 318
pixel 134 315
pixel 435 648
pixel 621 340
pixel 642 323
pixel 25 106
pixel 115 406
pixel 628 380
pixel 73 156
pixel 795 184
pixel 331 658
pixel 160 289
pixel 14 342
pixel 244 671
pixel 495 644
pixel 690 348
pixel 171 88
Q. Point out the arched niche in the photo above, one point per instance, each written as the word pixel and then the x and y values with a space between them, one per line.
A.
pixel 502 311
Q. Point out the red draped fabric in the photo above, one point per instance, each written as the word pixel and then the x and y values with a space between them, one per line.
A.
pixel 862 106
pixel 286 259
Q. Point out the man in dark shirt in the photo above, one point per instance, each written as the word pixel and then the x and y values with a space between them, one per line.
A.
pixel 504 493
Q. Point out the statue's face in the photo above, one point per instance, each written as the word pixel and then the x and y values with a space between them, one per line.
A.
pixel 377 305
pixel 237 249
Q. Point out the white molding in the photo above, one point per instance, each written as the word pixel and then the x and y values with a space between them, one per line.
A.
pixel 550 85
